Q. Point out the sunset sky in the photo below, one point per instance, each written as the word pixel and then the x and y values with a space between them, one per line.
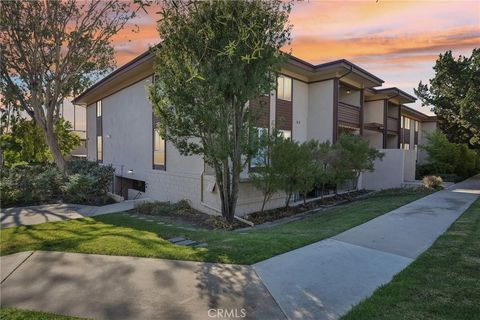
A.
pixel 398 41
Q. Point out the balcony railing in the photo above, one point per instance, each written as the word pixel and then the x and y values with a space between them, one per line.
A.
pixel 348 114
pixel 392 124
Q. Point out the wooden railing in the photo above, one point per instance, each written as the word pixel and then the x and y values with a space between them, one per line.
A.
pixel 392 124
pixel 348 114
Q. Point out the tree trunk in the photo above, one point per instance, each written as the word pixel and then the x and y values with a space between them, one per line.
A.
pixel 264 201
pixel 54 149
pixel 288 200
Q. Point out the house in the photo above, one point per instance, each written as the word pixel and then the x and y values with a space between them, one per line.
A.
pixel 310 102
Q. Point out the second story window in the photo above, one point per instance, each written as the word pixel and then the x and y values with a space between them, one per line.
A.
pixel 405 123
pixel 99 108
pixel 284 88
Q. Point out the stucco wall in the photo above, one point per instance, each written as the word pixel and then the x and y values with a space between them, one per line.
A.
pixel 396 167
pixel 373 111
pixel 300 110
pixel 320 111
pixel 374 138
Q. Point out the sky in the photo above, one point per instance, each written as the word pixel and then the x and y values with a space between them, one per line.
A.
pixel 397 41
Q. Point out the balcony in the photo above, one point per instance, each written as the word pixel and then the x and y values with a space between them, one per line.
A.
pixel 392 124
pixel 348 115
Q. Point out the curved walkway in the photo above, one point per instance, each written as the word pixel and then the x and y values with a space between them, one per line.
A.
pixel 24 216
pixel 325 279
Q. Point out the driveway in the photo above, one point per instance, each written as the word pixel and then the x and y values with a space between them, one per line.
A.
pixel 111 287
pixel 22 216
pixel 325 279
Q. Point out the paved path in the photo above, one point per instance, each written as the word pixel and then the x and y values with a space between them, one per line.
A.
pixel 111 287
pixel 21 216
pixel 323 280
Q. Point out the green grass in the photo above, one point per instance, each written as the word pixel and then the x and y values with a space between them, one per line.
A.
pixel 17 314
pixel 117 234
pixel 443 283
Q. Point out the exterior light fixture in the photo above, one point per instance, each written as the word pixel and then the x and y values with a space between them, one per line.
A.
pixel 130 171
pixel 348 91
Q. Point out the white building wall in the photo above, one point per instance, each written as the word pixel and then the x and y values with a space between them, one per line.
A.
pixel 396 167
pixel 300 110
pixel 320 111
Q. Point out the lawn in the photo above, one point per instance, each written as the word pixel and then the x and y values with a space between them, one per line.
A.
pixel 118 234
pixel 443 283
pixel 17 314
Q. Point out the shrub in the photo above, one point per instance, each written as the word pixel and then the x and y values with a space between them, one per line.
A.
pixel 432 182
pixel 162 208
pixel 103 174
pixel 445 157
pixel 81 188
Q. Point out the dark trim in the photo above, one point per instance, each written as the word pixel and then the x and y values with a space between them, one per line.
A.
pixel 385 122
pixel 361 111
pixel 374 100
pixel 399 131
pixel 130 64
pixel 335 110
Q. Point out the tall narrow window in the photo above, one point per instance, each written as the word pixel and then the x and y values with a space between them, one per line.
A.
pixel 284 88
pixel 158 148
pixel 99 108
pixel 260 158
pixel 99 148
pixel 99 135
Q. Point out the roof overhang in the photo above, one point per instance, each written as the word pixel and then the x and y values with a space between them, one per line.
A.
pixel 417 115
pixel 392 94
pixel 343 69
pixel 131 72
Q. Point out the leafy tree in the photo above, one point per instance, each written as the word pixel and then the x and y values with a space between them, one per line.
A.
pixel 214 57
pixel 51 50
pixel 446 157
pixel 294 167
pixel 324 155
pixel 263 176
pixel 26 143
pixel 455 97
pixel 355 156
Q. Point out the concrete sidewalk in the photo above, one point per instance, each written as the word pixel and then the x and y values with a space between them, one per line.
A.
pixel 325 279
pixel 111 287
pixel 23 216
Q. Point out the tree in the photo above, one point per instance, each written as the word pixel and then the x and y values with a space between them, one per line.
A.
pixel 25 142
pixel 446 157
pixel 455 98
pixel 293 164
pixel 214 57
pixel 324 156
pixel 263 176
pixel 355 156
pixel 51 50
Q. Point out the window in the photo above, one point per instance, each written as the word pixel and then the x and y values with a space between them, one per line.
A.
pixel 416 125
pixel 99 149
pixel 99 108
pixel 407 123
pixel 406 146
pixel 260 159
pixel 158 148
pixel 284 88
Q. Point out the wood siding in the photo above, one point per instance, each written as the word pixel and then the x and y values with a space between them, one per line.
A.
pixel 349 115
pixel 263 115
pixel 284 114
pixel 406 136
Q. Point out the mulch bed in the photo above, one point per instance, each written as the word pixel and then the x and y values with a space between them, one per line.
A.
pixel 279 213
pixel 196 219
